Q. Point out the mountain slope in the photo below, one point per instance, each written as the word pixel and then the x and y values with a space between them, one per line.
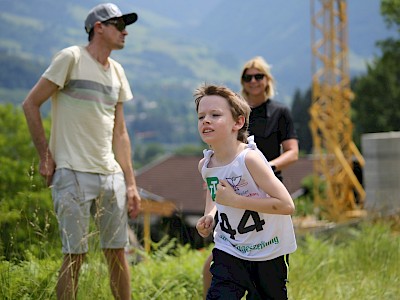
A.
pixel 175 46
pixel 281 32
pixel 194 41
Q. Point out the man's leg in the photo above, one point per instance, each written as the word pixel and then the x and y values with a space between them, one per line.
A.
pixel 112 219
pixel 120 280
pixel 67 285
pixel 73 214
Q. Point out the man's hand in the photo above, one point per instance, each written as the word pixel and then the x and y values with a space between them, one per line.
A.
pixel 133 201
pixel 47 167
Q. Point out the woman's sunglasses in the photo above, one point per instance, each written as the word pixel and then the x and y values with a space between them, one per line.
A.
pixel 118 23
pixel 257 77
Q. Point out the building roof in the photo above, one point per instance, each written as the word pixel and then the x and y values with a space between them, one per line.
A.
pixel 176 178
pixel 295 173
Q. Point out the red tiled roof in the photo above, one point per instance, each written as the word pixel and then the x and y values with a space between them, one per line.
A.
pixel 176 178
pixel 295 173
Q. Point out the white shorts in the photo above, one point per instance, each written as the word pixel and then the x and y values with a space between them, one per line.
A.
pixel 79 195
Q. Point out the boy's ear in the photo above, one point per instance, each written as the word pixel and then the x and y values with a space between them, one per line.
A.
pixel 240 122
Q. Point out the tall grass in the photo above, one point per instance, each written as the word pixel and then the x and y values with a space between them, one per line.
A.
pixel 358 262
pixel 351 263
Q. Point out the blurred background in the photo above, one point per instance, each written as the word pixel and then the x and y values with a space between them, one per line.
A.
pixel 175 46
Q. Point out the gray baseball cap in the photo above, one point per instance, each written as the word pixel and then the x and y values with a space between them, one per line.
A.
pixel 107 11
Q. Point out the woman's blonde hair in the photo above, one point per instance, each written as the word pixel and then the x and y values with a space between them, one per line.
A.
pixel 260 64
pixel 238 105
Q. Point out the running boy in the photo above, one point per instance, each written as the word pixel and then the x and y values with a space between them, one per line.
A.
pixel 254 233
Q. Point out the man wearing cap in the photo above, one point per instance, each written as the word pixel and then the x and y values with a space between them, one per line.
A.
pixel 87 161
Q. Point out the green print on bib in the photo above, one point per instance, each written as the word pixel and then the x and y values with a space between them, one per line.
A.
pixel 212 186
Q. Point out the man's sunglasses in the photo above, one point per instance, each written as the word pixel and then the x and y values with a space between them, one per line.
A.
pixel 118 23
pixel 258 77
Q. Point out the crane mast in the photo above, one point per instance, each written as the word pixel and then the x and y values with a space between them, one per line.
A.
pixel 336 188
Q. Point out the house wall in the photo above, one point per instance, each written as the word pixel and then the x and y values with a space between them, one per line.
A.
pixel 381 152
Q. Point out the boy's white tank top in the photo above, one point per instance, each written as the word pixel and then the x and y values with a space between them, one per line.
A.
pixel 242 233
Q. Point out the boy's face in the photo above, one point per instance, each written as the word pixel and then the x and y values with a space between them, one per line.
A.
pixel 215 120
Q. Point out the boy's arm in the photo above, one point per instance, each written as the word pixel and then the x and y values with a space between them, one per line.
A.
pixel 205 224
pixel 280 202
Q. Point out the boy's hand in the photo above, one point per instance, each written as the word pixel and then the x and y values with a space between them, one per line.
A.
pixel 205 226
pixel 225 193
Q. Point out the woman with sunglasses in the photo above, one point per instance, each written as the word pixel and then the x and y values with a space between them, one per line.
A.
pixel 270 123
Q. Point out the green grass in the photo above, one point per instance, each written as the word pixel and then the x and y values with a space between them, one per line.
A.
pixel 355 262
pixel 352 263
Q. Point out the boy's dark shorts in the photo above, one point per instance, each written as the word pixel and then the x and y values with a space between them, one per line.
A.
pixel 233 276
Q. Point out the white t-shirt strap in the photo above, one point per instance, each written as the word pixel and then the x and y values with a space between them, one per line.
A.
pixel 250 143
pixel 207 153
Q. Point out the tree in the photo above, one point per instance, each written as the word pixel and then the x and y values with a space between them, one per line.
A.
pixel 301 118
pixel 27 221
pixel 17 153
pixel 377 94
pixel 390 9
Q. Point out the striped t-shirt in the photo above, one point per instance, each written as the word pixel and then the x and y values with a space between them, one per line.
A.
pixel 83 110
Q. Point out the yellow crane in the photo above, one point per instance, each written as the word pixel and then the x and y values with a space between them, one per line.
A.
pixel 335 182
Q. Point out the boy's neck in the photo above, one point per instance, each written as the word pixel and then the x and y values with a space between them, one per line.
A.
pixel 225 153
